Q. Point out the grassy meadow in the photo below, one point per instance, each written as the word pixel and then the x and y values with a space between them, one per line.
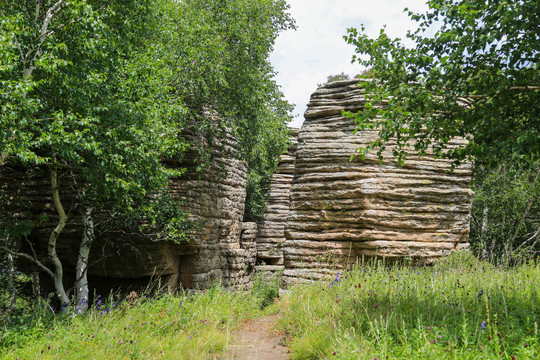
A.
pixel 458 309
pixel 182 326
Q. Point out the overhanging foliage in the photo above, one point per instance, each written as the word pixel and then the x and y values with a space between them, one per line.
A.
pixel 477 77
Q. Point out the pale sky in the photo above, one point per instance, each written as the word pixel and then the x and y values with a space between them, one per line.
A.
pixel 305 57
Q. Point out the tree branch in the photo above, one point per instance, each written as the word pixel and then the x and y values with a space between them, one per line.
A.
pixel 31 246
pixel 36 14
pixel 28 257
pixel 513 88
pixel 535 235
pixel 27 71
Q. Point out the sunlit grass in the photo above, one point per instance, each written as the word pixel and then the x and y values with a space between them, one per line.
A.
pixel 459 309
pixel 197 326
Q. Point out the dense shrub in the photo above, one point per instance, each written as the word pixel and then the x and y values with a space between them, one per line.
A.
pixel 505 224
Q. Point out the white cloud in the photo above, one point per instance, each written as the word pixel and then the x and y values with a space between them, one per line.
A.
pixel 305 58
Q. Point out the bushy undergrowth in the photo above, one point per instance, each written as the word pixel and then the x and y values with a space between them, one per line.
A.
pixel 505 221
pixel 23 300
pixel 266 288
pixel 186 326
pixel 458 309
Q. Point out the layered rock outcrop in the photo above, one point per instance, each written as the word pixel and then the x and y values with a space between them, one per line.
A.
pixel 324 211
pixel 271 236
pixel 221 248
pixel 342 209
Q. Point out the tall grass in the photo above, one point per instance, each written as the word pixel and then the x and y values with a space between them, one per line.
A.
pixel 458 309
pixel 186 326
pixel 266 287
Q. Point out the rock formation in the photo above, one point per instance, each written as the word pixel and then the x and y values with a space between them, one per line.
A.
pixel 222 248
pixel 271 236
pixel 324 211
pixel 342 209
pixel 215 198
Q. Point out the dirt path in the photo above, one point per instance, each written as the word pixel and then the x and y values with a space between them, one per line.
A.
pixel 255 341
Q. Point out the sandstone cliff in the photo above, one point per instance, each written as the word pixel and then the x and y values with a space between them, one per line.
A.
pixel 221 249
pixel 324 211
pixel 271 235
pixel 341 209
pixel 224 247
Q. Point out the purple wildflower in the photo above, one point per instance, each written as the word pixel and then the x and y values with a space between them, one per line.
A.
pixel 483 324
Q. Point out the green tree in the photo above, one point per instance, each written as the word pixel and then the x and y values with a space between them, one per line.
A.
pixel 505 222
pixel 477 77
pixel 98 93
pixel 83 99
pixel 219 52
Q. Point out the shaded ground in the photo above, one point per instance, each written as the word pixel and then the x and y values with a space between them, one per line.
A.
pixel 256 341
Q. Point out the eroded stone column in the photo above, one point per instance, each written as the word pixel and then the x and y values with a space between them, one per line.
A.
pixel 343 209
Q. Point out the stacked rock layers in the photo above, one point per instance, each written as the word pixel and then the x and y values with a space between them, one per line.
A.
pixel 342 209
pixel 271 236
pixel 325 210
pixel 222 248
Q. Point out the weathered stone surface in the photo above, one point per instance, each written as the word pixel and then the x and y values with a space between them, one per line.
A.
pixel 324 211
pixel 222 249
pixel 272 229
pixel 341 209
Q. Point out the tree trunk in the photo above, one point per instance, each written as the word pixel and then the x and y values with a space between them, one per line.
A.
pixel 483 231
pixel 81 272
pixel 27 72
pixel 36 290
pixel 11 284
pixel 58 270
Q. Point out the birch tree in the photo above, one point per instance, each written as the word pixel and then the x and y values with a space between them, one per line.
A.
pixel 96 93
pixel 83 99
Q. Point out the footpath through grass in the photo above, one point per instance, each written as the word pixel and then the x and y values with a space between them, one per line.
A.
pixel 185 326
pixel 458 309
